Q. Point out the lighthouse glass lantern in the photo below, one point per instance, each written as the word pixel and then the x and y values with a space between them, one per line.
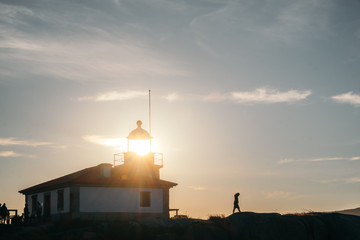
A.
pixel 139 157
pixel 139 140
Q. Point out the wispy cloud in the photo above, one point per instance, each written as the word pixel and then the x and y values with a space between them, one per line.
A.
pixel 322 159
pixel 118 51
pixel 115 96
pixel 329 181
pixel 334 159
pixel 259 96
pixel 343 180
pixel 289 22
pixel 197 188
pixel 349 97
pixel 352 180
pixel 13 141
pixel 286 160
pixel 216 97
pixel 60 146
pixel 262 95
pixel 101 140
pixel 297 19
pixel 125 95
pixel 13 154
pixel 171 97
pixel 9 154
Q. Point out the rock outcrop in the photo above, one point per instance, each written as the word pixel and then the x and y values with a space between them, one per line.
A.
pixel 321 226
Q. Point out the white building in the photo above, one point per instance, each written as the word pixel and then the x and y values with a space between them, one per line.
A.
pixel 129 188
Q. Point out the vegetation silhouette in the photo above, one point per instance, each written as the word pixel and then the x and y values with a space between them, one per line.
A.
pixel 245 226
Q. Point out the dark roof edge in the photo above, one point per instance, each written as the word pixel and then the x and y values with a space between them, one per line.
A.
pixel 33 190
pixel 70 177
pixel 70 180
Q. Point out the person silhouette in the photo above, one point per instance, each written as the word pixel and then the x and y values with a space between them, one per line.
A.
pixel 236 202
pixel 26 212
pixel 4 213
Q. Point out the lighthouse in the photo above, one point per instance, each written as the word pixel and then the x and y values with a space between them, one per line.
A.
pixel 139 161
pixel 129 188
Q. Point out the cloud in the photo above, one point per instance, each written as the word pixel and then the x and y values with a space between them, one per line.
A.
pixel 329 181
pixel 334 159
pixel 297 19
pixel 97 48
pixel 352 180
pixel 279 21
pixel 100 140
pixel 115 96
pixel 349 97
pixel 259 96
pixel 124 95
pixel 197 188
pixel 322 159
pixel 9 154
pixel 215 97
pixel 60 146
pixel 12 141
pixel 262 95
pixel 171 97
pixel 286 160
pixel 13 154
pixel 344 180
pixel 326 159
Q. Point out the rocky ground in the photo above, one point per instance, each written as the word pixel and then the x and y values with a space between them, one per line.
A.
pixel 242 226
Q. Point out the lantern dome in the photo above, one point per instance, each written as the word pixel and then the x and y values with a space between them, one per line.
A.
pixel 139 133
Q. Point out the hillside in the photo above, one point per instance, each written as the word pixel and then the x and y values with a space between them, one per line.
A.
pixel 244 226
pixel 355 211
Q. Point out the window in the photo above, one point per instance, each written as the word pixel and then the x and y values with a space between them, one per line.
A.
pixel 106 171
pixel 145 200
pixel 60 200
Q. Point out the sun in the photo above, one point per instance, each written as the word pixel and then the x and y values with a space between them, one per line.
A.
pixel 141 147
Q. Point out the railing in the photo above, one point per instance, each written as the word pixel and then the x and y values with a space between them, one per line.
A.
pixel 158 159
pixel 15 212
pixel 119 159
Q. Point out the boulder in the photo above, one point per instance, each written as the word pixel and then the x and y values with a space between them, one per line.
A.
pixel 265 226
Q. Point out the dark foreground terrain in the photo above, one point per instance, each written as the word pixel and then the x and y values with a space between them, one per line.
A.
pixel 242 226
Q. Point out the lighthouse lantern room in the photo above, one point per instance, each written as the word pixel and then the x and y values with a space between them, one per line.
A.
pixel 139 160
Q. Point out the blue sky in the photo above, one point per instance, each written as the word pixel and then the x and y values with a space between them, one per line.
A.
pixel 260 97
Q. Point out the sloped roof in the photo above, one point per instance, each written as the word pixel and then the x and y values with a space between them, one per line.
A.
pixel 91 177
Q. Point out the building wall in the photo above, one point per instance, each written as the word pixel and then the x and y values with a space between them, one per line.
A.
pixel 166 201
pixel 126 200
pixel 54 209
pixel 40 198
pixel 53 201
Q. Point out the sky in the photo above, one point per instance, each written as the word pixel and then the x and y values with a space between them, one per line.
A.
pixel 249 96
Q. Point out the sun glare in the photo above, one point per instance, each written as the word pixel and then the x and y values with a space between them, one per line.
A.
pixel 141 147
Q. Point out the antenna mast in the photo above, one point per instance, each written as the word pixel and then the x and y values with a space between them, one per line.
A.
pixel 150 117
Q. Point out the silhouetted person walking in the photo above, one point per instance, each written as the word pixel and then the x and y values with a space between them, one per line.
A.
pixel 236 202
